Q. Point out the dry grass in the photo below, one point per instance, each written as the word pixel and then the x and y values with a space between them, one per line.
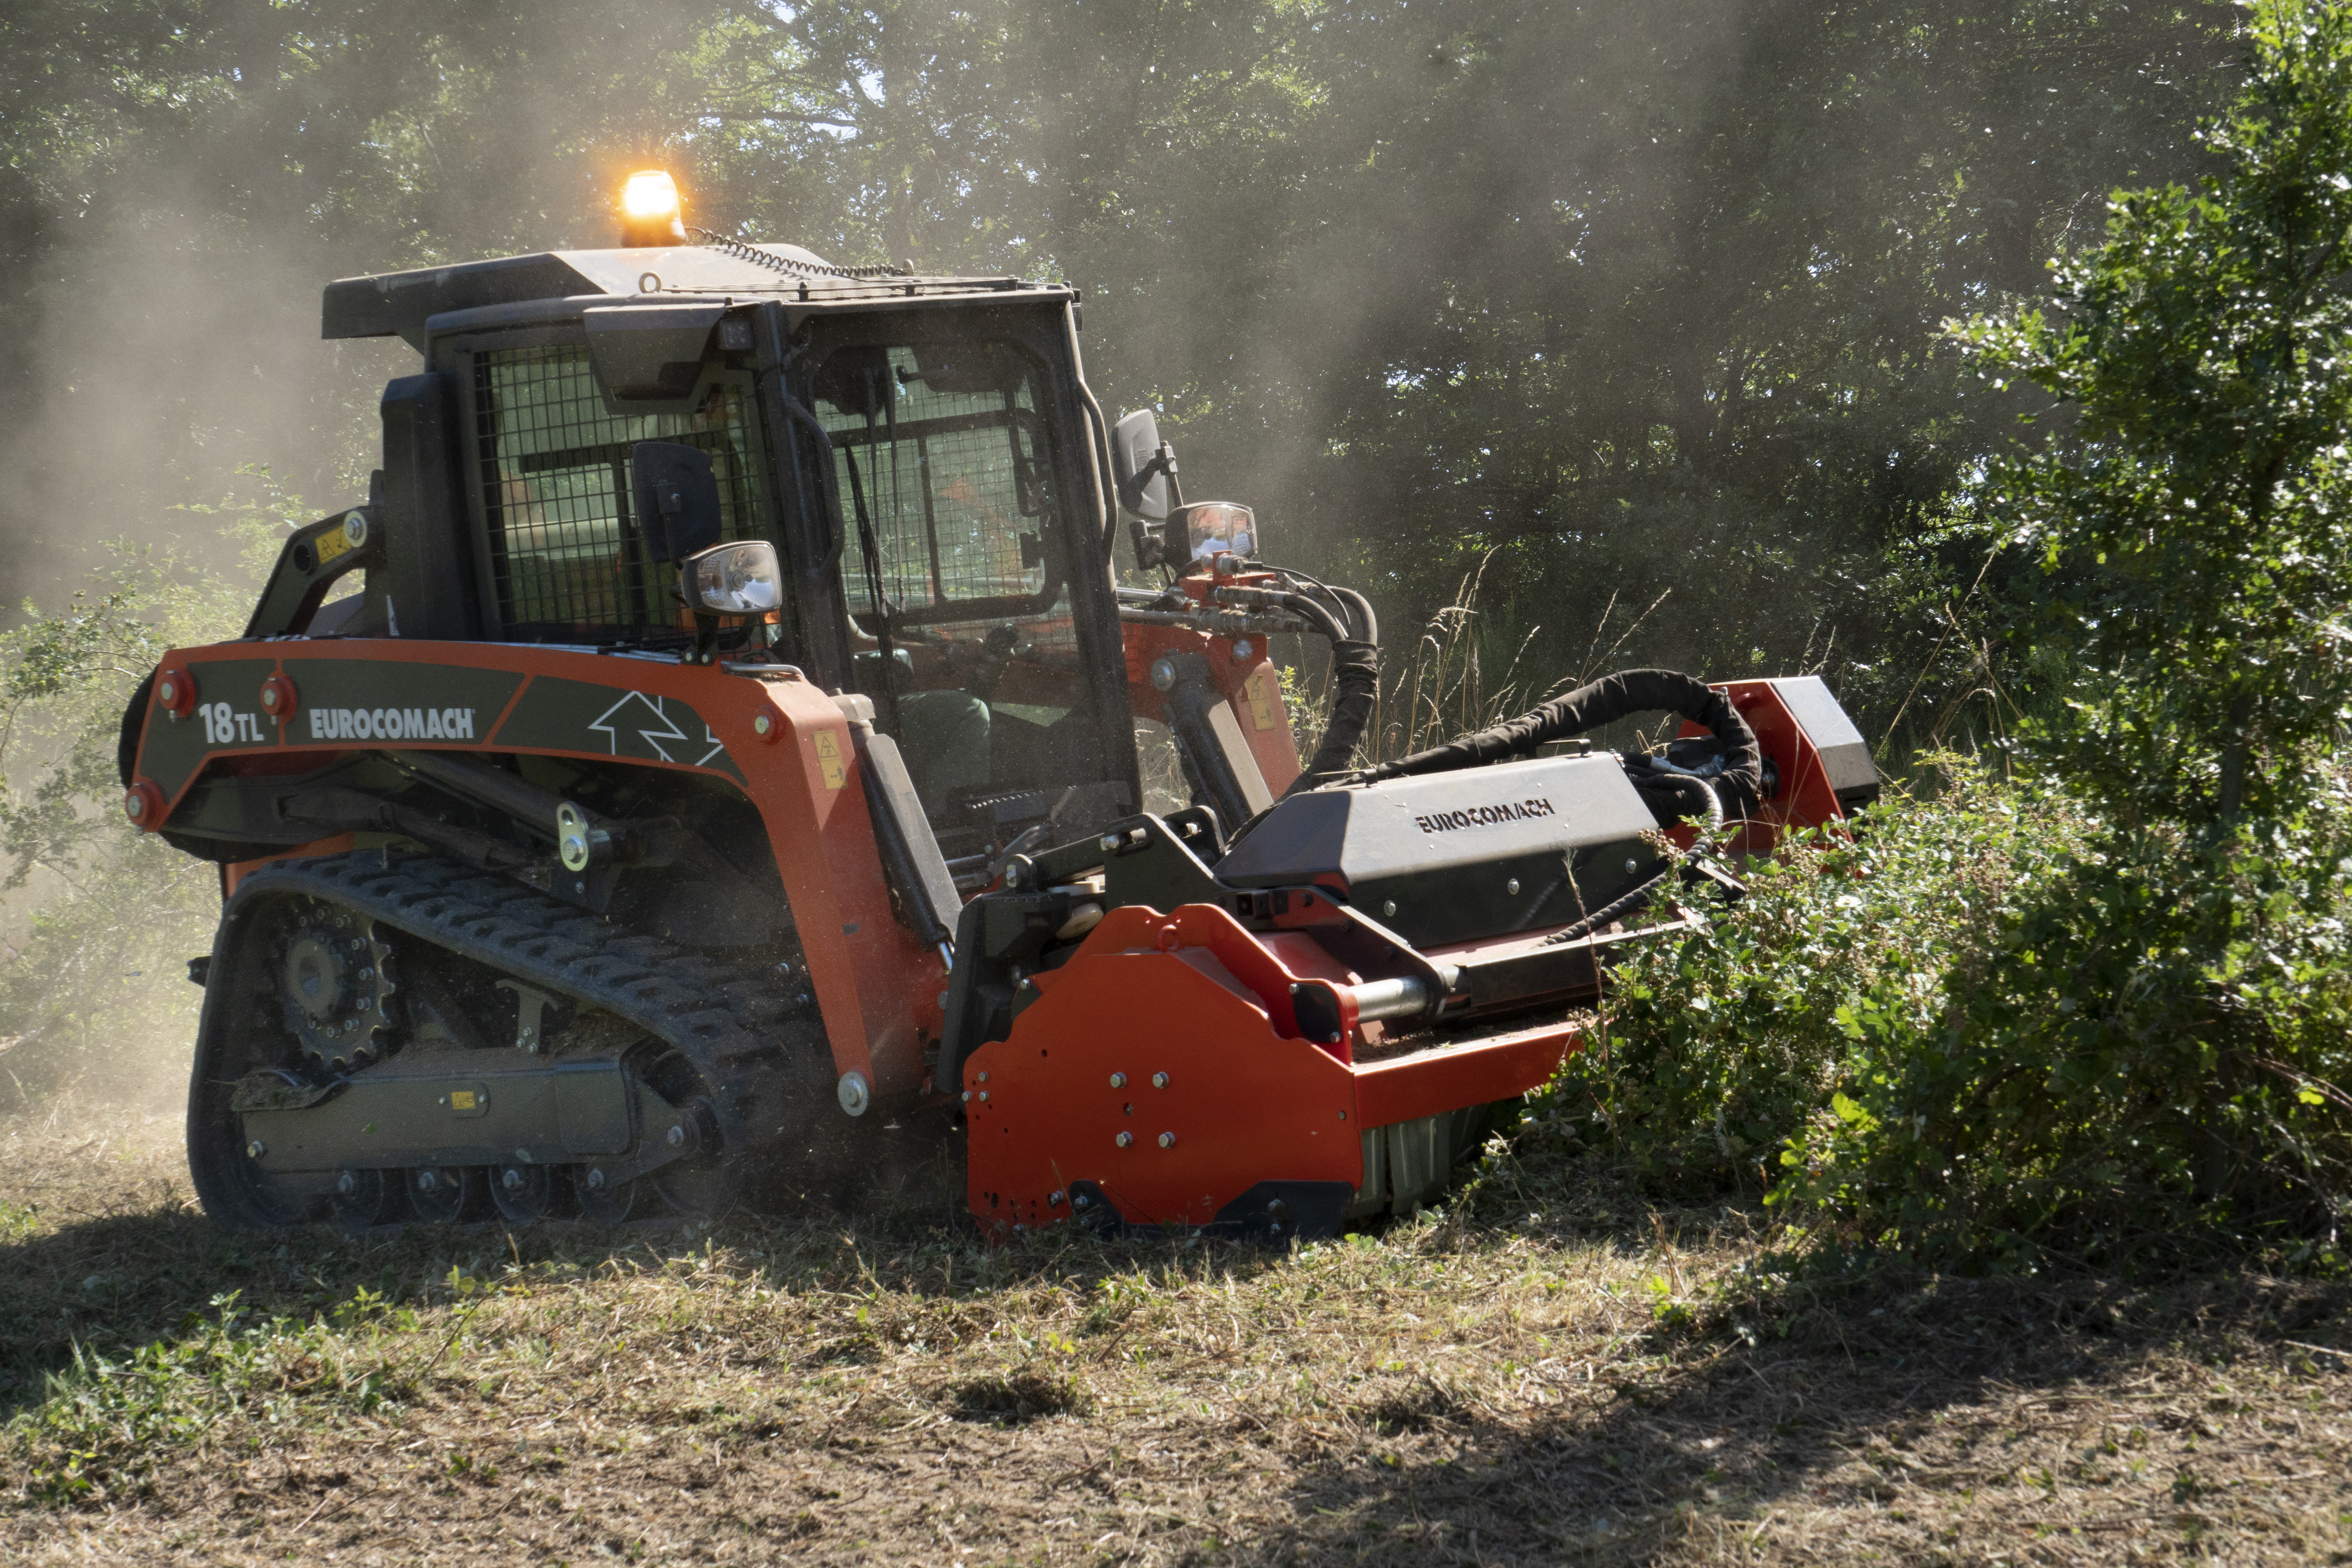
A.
pixel 1487 1388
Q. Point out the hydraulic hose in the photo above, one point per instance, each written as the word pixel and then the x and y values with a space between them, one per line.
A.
pixel 1355 669
pixel 1361 608
pixel 1355 682
pixel 1737 789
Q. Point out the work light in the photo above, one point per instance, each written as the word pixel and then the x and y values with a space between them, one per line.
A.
pixel 651 213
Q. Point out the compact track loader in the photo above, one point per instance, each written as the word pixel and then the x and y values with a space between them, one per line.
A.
pixel 728 764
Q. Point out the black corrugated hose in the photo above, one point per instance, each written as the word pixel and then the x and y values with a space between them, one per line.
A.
pixel 1355 682
pixel 1668 794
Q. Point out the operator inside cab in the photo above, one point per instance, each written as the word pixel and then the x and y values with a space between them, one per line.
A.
pixel 954 566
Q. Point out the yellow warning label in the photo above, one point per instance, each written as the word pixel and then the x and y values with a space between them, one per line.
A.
pixel 828 760
pixel 1260 699
pixel 330 544
pixel 461 1100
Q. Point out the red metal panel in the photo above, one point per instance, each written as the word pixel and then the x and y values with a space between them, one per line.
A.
pixel 1196 997
pixel 1805 798
pixel 1451 1077
pixel 1241 1102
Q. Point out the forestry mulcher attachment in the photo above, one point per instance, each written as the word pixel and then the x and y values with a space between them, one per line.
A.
pixel 730 763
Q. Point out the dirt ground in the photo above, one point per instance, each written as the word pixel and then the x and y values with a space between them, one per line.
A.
pixel 1482 1387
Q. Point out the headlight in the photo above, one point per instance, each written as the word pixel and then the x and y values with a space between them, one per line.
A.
pixel 732 580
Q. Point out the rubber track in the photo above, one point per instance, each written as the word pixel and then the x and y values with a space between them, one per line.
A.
pixel 730 1020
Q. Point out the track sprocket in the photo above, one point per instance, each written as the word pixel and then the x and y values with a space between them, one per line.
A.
pixel 334 971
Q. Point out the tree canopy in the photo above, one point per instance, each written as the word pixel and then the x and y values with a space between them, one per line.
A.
pixel 1620 301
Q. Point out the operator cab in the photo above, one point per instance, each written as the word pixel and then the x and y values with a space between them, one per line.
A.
pixel 920 452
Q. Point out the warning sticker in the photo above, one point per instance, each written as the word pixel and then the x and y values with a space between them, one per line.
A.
pixel 1258 689
pixel 829 763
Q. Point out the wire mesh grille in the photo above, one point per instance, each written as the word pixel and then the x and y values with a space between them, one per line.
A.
pixel 946 453
pixel 565 556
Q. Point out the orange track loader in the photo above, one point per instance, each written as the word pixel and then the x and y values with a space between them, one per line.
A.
pixel 716 749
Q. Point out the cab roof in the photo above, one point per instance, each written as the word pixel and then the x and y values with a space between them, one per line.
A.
pixel 385 304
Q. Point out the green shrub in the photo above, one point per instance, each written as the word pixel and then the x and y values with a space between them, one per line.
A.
pixel 1719 1048
pixel 2149 1057
pixel 1991 1031
pixel 93 986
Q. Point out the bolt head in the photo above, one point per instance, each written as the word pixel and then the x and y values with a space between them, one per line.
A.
pixel 1118 1080
pixel 1632 866
pixel 1168 1140
pixel 256 1150
pixel 1124 1139
pixel 1512 886
pixel 596 1179
pixel 167 692
pixel 1053 1200
pixel 1388 906
pixel 1242 651
pixel 762 724
pixel 426 1181
pixel 983 1097
pixel 967 1097
pixel 678 1136
pixel 347 1184
pixel 1082 1202
pixel 1159 1080
pixel 512 1180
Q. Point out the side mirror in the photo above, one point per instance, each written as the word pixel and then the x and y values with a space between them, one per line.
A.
pixel 1214 528
pixel 1142 465
pixel 676 496
pixel 1143 472
pixel 740 579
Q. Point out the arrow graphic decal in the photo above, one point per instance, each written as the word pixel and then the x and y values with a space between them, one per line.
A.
pixel 648 722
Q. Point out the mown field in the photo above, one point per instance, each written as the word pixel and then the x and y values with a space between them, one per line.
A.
pixel 1485 1384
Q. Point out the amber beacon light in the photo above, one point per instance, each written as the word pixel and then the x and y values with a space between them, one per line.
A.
pixel 651 213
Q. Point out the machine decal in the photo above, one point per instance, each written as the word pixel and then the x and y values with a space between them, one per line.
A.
pixel 638 726
pixel 346 701
pixel 828 760
pixel 1261 705
pixel 225 726
pixel 1483 816
pixel 392 723
pixel 558 715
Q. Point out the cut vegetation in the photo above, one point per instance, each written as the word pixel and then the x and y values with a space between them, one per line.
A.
pixel 1485 1386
